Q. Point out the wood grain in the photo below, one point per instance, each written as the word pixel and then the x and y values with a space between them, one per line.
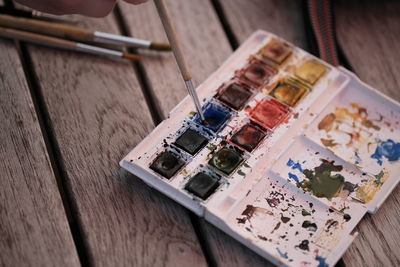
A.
pixel 33 226
pixel 199 31
pixel 369 34
pixel 282 17
pixel 98 113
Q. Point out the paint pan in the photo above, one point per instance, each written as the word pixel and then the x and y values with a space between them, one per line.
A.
pixel 275 51
pixel 167 164
pixel 191 141
pixel 215 116
pixel 310 71
pixel 289 91
pixel 289 174
pixel 226 160
pixel 202 185
pixel 256 73
pixel 269 113
pixel 248 137
pixel 235 94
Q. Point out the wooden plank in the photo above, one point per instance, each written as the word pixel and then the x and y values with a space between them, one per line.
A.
pixel 369 33
pixel 282 17
pixel 98 113
pixel 199 31
pixel 206 47
pixel 33 225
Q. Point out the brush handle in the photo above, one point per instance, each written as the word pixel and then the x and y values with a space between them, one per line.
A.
pixel 36 38
pixel 47 28
pixel 63 44
pixel 173 39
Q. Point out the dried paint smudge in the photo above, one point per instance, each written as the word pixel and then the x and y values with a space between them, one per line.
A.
pixel 305 213
pixel 367 192
pixel 378 178
pixel 328 142
pixel 321 182
pixel 310 226
pixel 273 202
pixel 294 165
pixel 281 254
pixel 250 211
pixel 284 219
pixel 388 149
pixel 356 122
pixel 304 245
pixel 321 261
pixel 294 177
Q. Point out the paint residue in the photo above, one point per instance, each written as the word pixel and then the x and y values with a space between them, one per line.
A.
pixel 283 255
pixel 273 202
pixel 284 219
pixel 349 128
pixel 294 165
pixel 321 261
pixel 294 177
pixel 305 213
pixel 250 211
pixel 276 227
pixel 328 142
pixel 379 177
pixel 367 192
pixel 330 223
pixel 388 149
pixel 347 217
pixel 310 226
pixel 304 245
pixel 321 182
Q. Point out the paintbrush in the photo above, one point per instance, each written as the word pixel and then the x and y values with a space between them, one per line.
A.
pixel 35 14
pixel 77 34
pixel 176 48
pixel 63 44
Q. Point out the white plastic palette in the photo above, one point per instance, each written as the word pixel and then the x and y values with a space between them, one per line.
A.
pixel 295 196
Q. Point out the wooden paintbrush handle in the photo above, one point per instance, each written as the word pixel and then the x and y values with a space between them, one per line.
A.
pixel 36 38
pixel 46 28
pixel 173 39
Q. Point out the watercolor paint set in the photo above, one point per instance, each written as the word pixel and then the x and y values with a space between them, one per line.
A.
pixel 292 153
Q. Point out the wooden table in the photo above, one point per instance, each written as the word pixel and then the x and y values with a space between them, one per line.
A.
pixel 68 118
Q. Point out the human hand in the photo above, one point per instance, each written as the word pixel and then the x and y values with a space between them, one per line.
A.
pixel 92 8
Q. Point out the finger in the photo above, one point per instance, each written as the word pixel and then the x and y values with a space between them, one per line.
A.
pixel 135 2
pixel 92 8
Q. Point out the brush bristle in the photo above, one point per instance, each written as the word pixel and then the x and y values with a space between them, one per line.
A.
pixel 131 56
pixel 160 46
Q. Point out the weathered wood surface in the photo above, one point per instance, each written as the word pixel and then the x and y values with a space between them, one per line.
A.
pixel 98 113
pixel 199 31
pixel 282 17
pixel 33 225
pixel 369 34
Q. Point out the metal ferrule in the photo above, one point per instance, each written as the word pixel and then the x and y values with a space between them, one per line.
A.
pixel 98 50
pixel 193 94
pixel 108 38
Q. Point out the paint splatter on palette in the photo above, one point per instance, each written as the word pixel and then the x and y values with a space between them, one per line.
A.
pixel 292 154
